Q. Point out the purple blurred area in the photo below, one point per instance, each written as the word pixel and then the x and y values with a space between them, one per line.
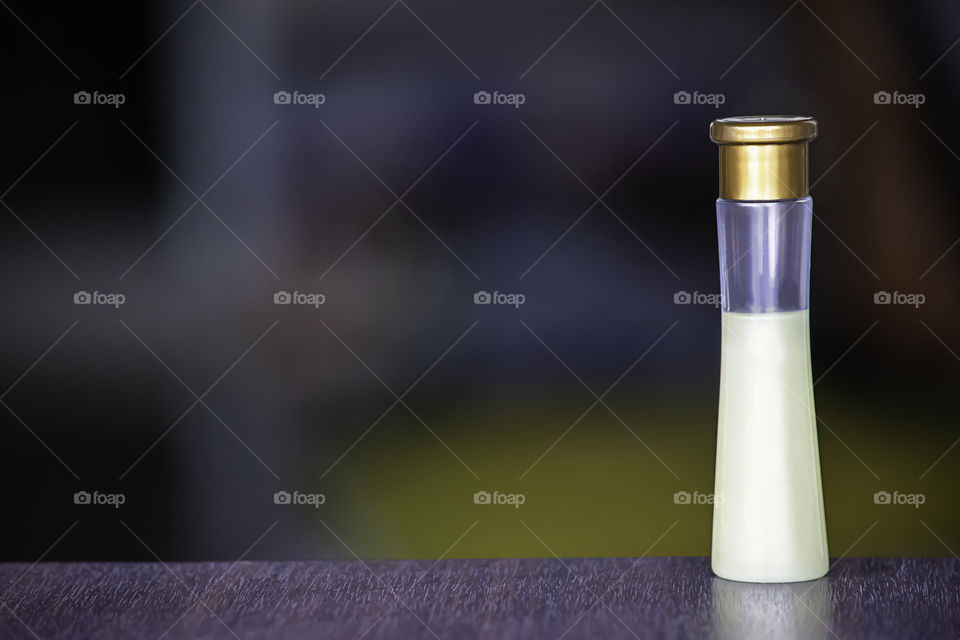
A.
pixel 398 198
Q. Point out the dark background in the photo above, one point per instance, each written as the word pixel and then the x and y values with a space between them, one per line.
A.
pixel 95 198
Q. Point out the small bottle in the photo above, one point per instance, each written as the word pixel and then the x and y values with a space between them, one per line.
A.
pixel 768 521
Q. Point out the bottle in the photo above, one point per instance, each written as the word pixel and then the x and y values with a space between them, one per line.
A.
pixel 768 521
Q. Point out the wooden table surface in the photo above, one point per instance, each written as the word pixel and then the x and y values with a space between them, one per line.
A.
pixel 496 599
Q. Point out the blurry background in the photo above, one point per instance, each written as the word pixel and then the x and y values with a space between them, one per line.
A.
pixel 399 198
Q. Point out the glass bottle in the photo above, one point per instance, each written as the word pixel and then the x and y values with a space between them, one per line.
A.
pixel 768 520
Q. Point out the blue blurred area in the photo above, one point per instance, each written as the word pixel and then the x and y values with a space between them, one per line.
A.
pixel 399 198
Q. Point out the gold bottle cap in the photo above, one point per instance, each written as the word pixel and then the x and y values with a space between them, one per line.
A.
pixel 763 157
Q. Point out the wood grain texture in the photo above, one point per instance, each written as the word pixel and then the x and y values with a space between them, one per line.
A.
pixel 495 599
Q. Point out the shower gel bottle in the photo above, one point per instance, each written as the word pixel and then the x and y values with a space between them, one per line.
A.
pixel 768 521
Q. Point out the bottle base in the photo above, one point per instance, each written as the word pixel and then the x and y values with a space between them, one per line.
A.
pixel 768 574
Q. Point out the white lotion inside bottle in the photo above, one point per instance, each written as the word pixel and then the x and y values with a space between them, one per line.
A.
pixel 768 521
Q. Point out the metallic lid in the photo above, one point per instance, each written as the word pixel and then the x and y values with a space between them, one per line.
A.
pixel 763 157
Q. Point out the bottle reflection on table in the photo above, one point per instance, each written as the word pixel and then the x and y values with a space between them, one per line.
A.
pixel 794 611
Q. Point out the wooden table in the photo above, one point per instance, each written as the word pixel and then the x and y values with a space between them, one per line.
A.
pixel 495 599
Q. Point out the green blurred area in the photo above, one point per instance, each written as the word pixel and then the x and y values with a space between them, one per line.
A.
pixel 601 491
